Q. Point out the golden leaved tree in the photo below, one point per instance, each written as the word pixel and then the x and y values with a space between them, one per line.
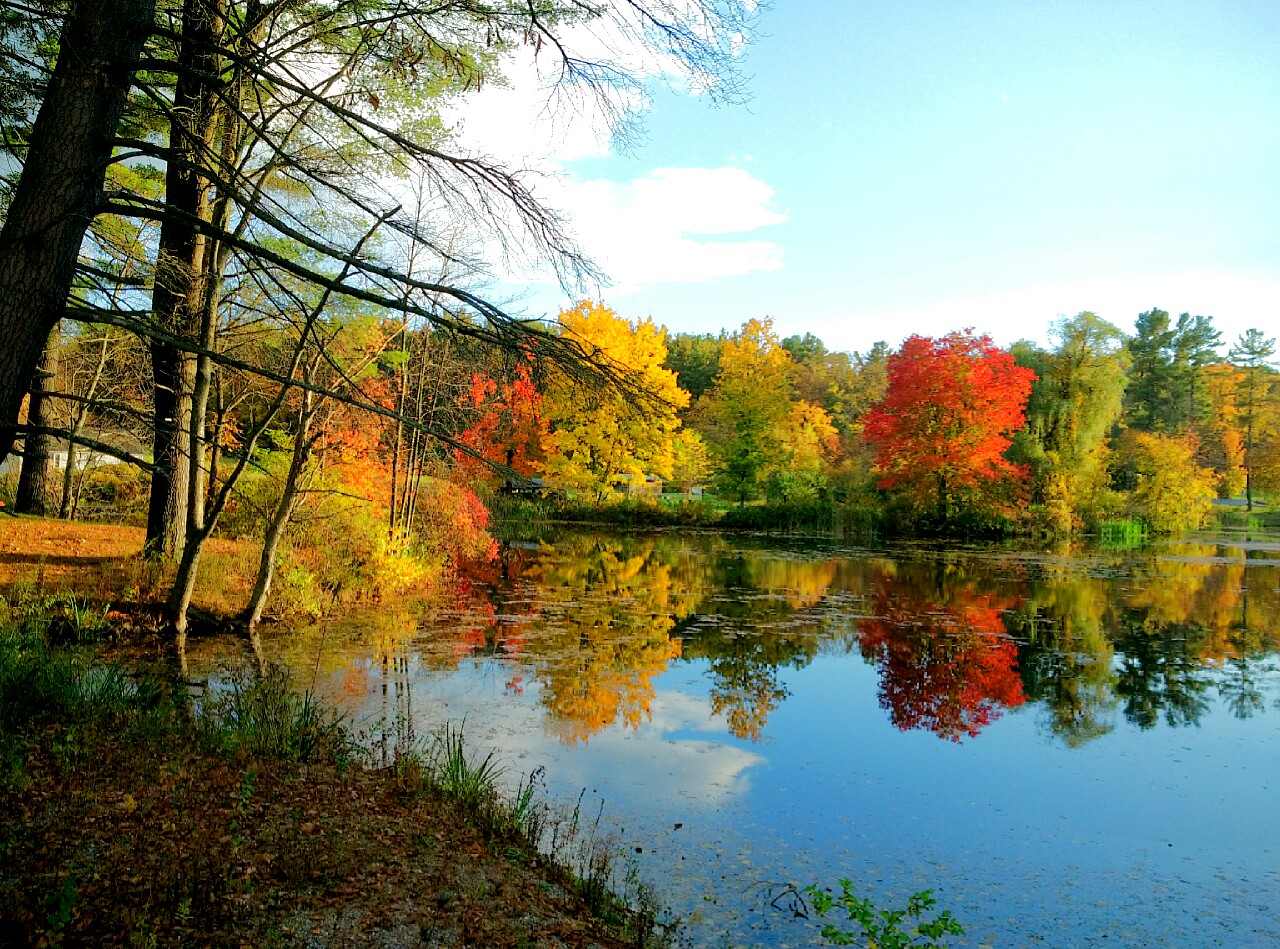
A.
pixel 1173 493
pixel 601 439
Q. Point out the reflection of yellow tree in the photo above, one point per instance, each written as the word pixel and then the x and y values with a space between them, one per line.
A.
pixel 769 625
pixel 798 583
pixel 1168 591
pixel 610 606
pixel 1210 590
pixel 337 657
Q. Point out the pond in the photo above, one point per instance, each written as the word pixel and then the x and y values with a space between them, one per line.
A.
pixel 1077 747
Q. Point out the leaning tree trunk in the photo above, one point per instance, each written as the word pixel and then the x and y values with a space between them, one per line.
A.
pixel 67 511
pixel 283 512
pixel 60 188
pixel 32 495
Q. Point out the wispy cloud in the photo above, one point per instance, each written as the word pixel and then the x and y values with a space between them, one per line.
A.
pixel 673 225
pixel 669 225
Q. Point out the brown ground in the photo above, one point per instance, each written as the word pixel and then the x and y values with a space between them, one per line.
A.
pixel 104 562
pixel 199 850
pixel 109 837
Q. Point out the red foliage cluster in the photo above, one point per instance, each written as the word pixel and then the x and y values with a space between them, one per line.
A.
pixel 950 669
pixel 511 428
pixel 948 414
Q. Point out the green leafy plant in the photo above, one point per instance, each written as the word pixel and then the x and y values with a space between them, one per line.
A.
pixel 61 903
pixel 884 928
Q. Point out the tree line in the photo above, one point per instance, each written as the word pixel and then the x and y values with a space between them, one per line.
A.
pixel 941 434
pixel 952 433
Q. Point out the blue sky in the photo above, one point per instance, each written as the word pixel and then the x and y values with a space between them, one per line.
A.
pixel 922 167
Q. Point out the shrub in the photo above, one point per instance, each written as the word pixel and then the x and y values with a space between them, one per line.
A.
pixel 883 928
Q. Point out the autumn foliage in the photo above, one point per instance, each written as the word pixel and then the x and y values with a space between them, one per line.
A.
pixel 949 668
pixel 949 413
pixel 510 426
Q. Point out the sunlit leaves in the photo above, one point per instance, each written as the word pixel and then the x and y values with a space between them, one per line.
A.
pixel 511 427
pixel 608 438
pixel 744 415
pixel 951 408
pixel 1075 402
pixel 1172 493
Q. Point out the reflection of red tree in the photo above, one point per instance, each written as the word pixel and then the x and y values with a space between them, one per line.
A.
pixel 498 617
pixel 949 669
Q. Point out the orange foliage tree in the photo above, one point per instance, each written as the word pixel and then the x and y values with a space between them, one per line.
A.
pixel 510 427
pixel 949 412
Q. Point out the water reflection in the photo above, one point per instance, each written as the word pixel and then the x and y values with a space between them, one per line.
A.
pixel 1013 728
pixel 956 637
pixel 939 642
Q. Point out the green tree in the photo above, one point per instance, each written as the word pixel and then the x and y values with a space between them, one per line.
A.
pixel 826 379
pixel 60 188
pixel 1075 402
pixel 810 443
pixel 1166 391
pixel 744 415
pixel 1195 347
pixel 695 359
pixel 1252 354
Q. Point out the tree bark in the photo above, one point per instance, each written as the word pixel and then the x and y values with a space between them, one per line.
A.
pixel 32 495
pixel 182 265
pixel 60 188
pixel 283 512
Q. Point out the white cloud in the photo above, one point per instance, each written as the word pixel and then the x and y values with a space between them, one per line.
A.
pixel 654 229
pixel 524 125
pixel 670 225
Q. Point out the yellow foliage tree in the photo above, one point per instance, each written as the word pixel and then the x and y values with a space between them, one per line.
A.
pixel 745 413
pixel 692 461
pixel 603 438
pixel 1224 442
pixel 1173 493
pixel 811 439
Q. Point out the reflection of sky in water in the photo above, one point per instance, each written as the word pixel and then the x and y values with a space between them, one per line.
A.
pixel 1139 837
pixel 1165 837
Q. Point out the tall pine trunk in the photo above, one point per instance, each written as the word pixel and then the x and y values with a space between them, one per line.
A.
pixel 32 495
pixel 60 188
pixel 182 267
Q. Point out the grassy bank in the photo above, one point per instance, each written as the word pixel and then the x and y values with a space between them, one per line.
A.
pixel 133 814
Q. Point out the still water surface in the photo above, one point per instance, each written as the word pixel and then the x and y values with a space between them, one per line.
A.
pixel 1073 748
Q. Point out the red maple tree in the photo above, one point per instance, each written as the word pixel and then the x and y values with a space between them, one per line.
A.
pixel 510 427
pixel 947 416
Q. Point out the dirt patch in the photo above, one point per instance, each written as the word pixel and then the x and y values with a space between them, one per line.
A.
pixel 111 843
